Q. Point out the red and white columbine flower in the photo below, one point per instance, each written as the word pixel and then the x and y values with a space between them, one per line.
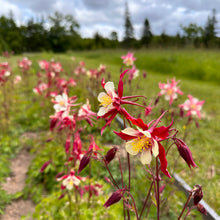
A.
pixel 193 106
pixel 111 101
pixel 133 73
pixel 170 90
pixel 128 59
pixel 61 102
pixel 86 113
pixel 44 65
pixel 71 180
pixel 145 141
pixel 17 79
pixel 25 64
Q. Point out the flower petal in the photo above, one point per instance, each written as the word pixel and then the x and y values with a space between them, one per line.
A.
pixel 163 160
pixel 101 94
pixel 146 157
pixel 129 148
pixel 155 148
pixel 110 88
pixel 130 131
pixel 102 111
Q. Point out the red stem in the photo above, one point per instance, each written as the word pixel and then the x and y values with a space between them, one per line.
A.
pixel 158 189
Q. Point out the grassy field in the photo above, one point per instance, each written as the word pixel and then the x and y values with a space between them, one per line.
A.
pixel 199 72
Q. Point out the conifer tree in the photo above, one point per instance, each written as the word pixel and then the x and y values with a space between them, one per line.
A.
pixel 129 30
pixel 147 34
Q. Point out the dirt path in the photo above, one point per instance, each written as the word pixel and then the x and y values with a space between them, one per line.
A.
pixel 16 183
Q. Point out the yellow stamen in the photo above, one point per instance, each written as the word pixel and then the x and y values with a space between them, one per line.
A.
pixel 129 62
pixel 193 106
pixel 141 143
pixel 106 100
pixel 70 182
pixel 61 103
pixel 169 91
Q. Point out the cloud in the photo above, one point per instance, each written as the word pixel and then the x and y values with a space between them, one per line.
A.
pixel 105 16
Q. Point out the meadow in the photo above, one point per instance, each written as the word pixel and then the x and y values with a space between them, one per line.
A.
pixel 23 112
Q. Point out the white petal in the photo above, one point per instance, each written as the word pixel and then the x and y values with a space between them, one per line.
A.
pixel 58 98
pixel 175 96
pixel 167 97
pixel 129 148
pixel 101 94
pixel 155 148
pixel 57 107
pixel 102 111
pixel 130 131
pixel 109 87
pixel 145 133
pixel 65 97
pixel 146 157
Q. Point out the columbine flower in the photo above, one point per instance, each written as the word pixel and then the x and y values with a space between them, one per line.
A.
pixel 145 141
pixel 193 106
pixel 128 59
pixel 61 102
pixel 107 99
pixel 25 64
pixel 69 181
pixel 133 73
pixel 101 68
pixel 44 65
pixel 86 113
pixel 56 67
pixel 95 189
pixel 93 146
pixel 170 90
pixel 111 101
pixel 17 79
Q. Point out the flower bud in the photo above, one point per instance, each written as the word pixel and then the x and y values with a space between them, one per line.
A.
pixel 198 194
pixel 114 198
pixel 45 166
pixel 110 155
pixel 201 208
pixel 148 110
pixel 85 160
pixel 184 152
pixel 67 144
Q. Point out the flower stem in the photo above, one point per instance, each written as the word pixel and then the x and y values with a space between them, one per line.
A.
pixel 146 200
pixel 158 189
pixel 111 175
pixel 129 172
pixel 120 167
pixel 135 208
pixel 189 197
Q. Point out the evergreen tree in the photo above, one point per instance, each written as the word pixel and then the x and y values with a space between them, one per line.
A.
pixel 129 30
pixel 146 35
pixel 209 30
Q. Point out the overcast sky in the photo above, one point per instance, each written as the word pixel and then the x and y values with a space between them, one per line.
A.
pixel 105 16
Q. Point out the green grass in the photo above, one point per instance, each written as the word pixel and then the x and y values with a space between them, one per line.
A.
pixel 199 72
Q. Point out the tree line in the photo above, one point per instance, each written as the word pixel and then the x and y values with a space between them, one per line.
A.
pixel 63 34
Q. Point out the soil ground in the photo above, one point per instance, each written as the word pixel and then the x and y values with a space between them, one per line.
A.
pixel 16 183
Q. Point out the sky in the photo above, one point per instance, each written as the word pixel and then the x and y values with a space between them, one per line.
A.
pixel 105 16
